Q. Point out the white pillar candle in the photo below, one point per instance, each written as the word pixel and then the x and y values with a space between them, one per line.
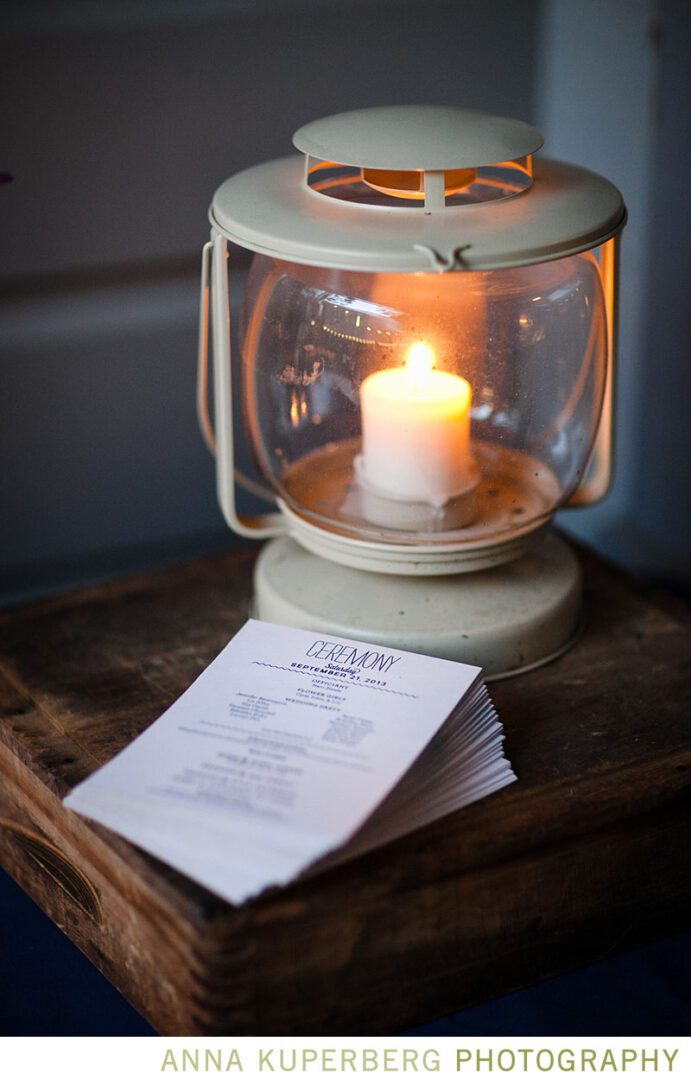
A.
pixel 416 431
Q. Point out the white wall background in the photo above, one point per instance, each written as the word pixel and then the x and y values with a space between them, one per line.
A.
pixel 120 119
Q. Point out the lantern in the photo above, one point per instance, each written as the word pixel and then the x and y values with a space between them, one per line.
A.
pixel 424 368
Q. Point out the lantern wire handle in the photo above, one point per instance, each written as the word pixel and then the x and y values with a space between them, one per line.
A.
pixel 600 467
pixel 257 526
pixel 203 417
pixel 443 263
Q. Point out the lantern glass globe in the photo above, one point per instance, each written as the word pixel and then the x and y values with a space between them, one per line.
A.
pixel 522 350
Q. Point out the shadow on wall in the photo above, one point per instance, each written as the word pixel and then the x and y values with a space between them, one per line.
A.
pixel 121 128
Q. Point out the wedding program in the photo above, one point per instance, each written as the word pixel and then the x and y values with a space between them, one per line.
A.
pixel 294 751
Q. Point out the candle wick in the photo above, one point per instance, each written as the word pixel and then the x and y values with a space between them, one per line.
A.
pixel 419 362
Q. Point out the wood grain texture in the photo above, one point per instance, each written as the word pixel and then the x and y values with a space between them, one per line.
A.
pixel 586 855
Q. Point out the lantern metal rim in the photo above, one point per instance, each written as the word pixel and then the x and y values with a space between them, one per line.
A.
pixel 269 209
pixel 410 560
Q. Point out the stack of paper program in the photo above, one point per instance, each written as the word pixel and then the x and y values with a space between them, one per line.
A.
pixel 294 751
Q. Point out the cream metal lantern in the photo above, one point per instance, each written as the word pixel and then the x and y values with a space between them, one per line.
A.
pixel 426 364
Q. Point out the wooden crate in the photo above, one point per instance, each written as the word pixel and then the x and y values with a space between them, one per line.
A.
pixel 586 855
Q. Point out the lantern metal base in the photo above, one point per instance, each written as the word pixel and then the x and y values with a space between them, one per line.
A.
pixel 506 619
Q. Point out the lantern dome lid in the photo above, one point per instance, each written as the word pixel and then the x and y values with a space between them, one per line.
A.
pixel 359 223
pixel 417 137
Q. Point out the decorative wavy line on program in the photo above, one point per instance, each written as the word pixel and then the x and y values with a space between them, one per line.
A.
pixel 325 674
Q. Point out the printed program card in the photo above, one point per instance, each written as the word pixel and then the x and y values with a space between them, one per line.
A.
pixel 290 749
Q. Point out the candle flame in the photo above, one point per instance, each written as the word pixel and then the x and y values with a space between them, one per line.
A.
pixel 419 361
